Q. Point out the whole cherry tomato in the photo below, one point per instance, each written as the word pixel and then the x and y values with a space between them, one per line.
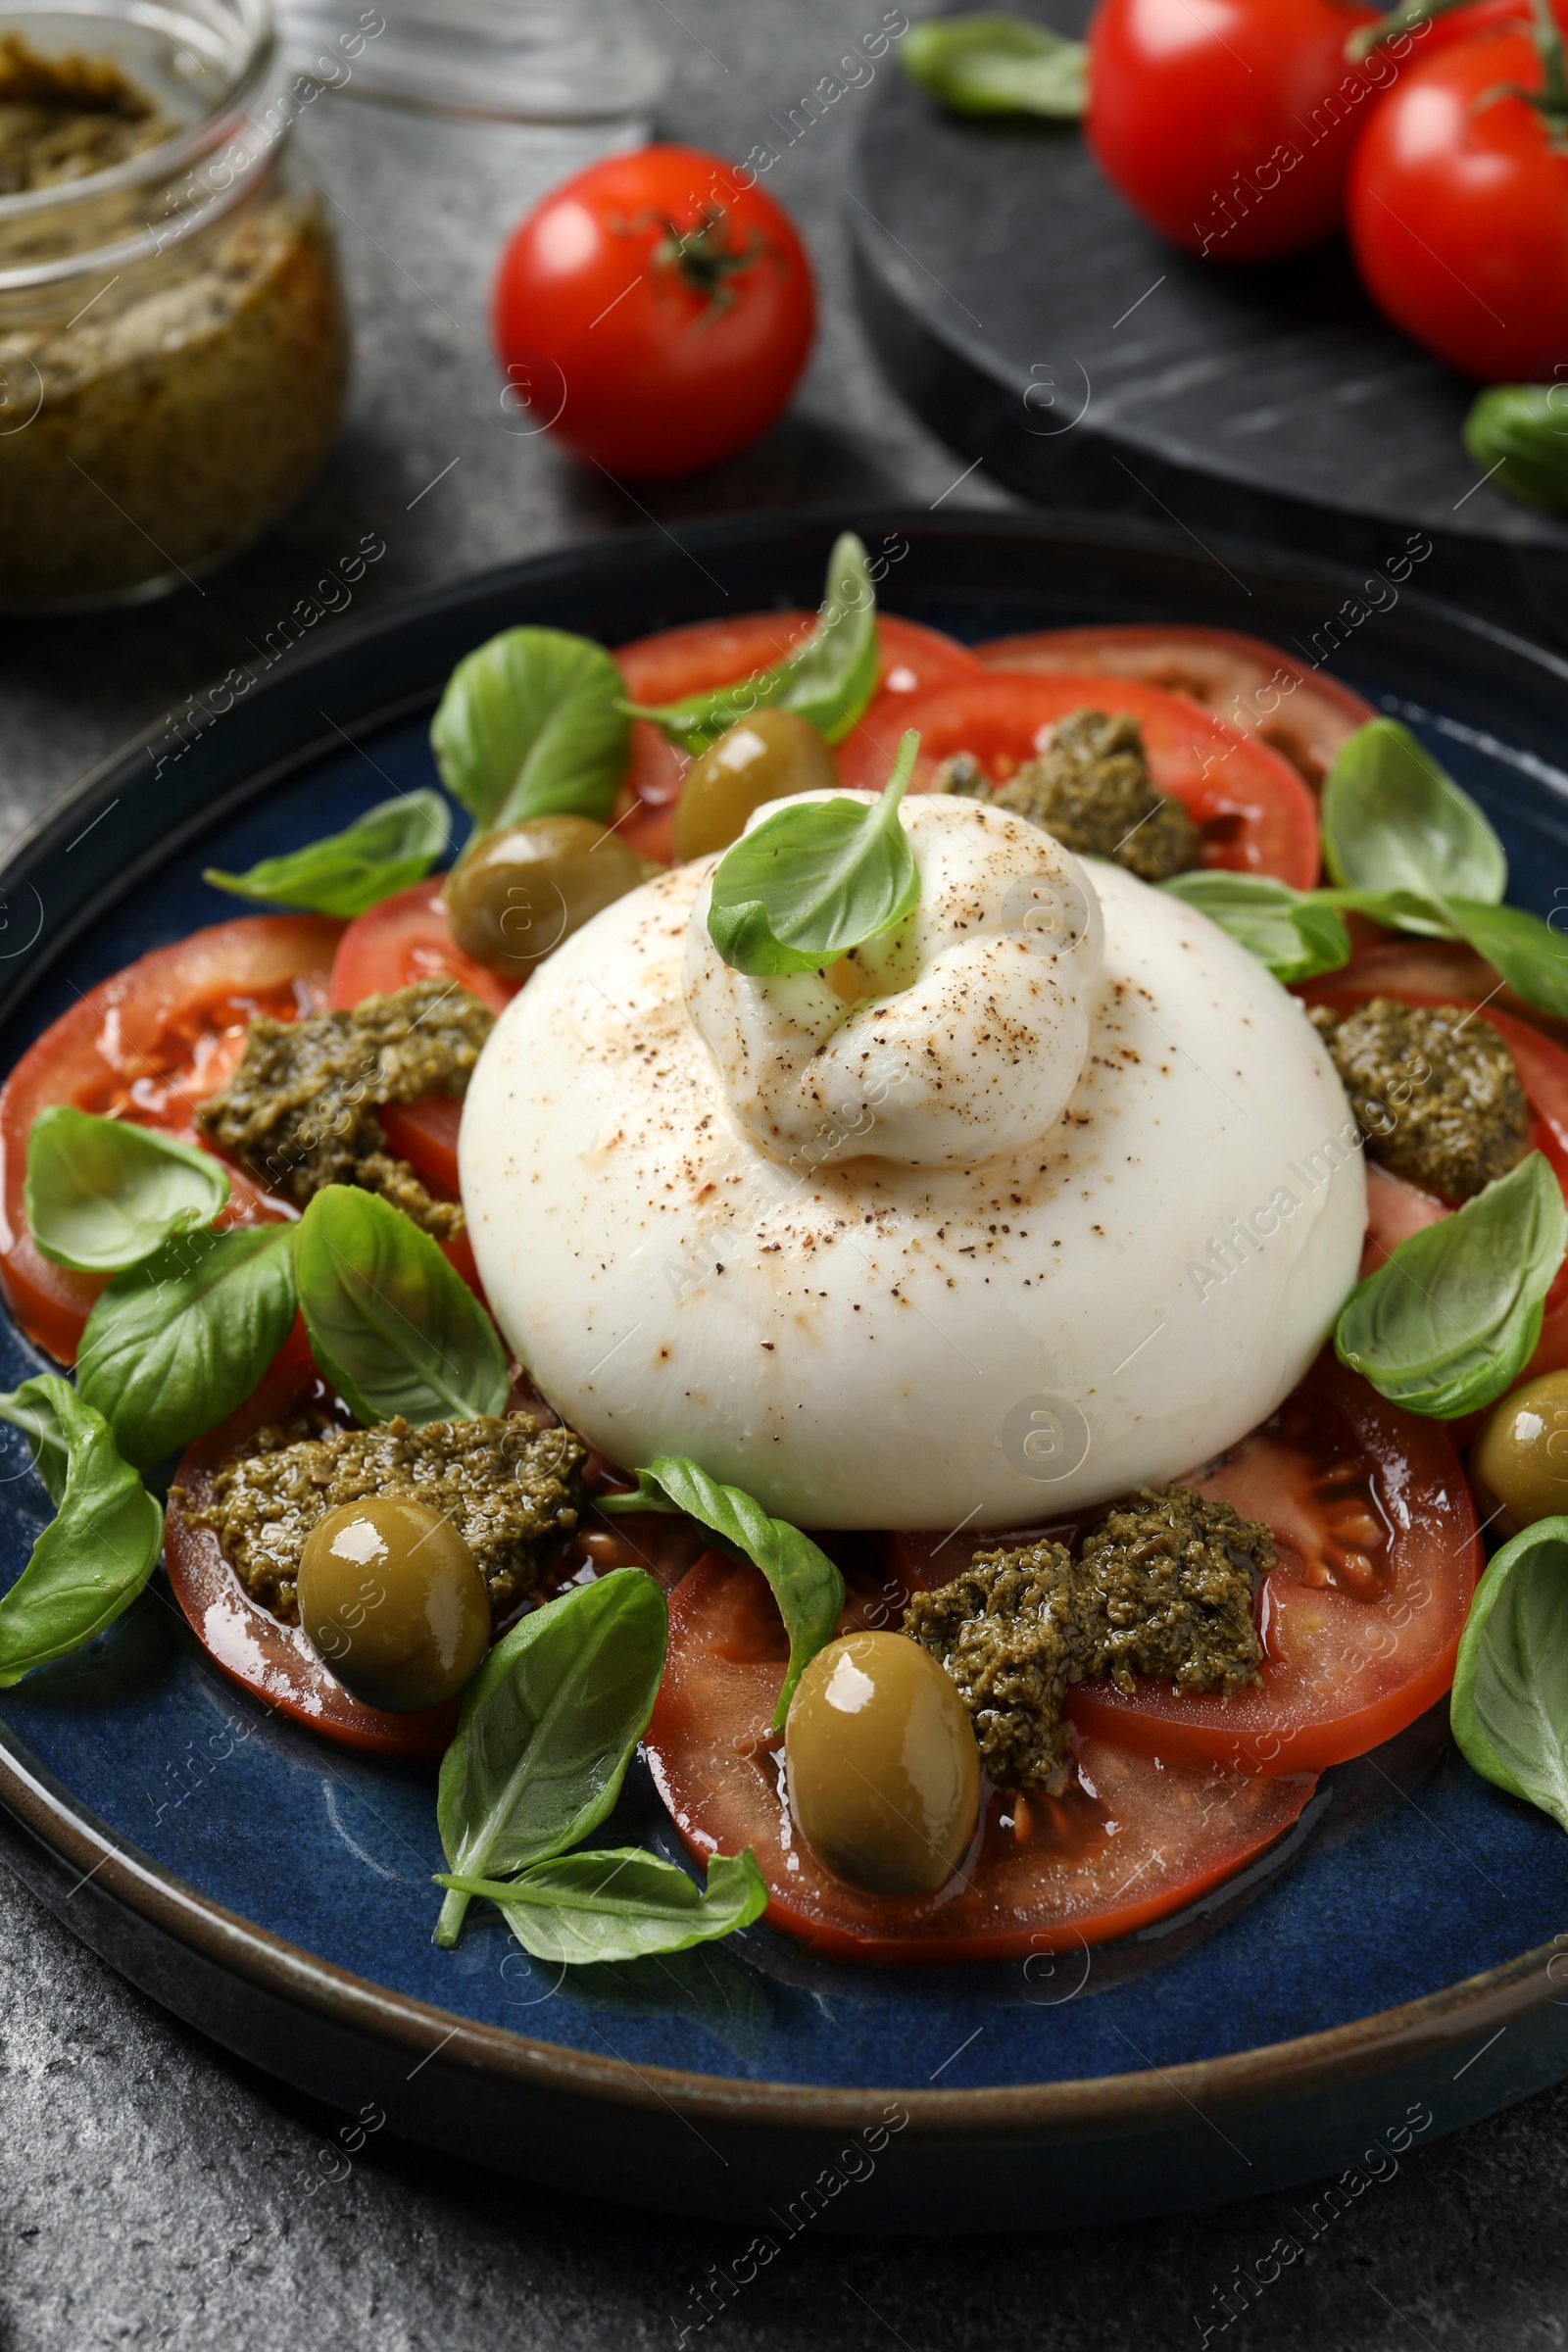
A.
pixel 1229 123
pixel 1459 210
pixel 653 313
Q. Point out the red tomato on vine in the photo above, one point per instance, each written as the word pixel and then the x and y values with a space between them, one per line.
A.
pixel 1458 205
pixel 653 313
pixel 1229 123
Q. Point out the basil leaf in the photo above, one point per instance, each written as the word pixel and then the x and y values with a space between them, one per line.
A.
pixel 175 1343
pixel 1519 433
pixel 1292 931
pixel 1393 820
pixel 392 1326
pixel 529 725
pixel 103 1193
pixel 1509 1708
pixel 816 879
pixel 1520 946
pixel 99 1549
pixel 1525 952
pixel 30 1408
pixel 807 1586
pixel 827 680
pixel 995 65
pixel 621 1904
pixel 1453 1318
pixel 548 1727
pixel 388 849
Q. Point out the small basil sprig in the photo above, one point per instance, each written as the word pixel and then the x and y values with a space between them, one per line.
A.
pixel 393 1327
pixel 816 879
pixel 102 1193
pixel 1292 931
pixel 807 1586
pixel 177 1341
pixel 1510 1708
pixel 1453 1318
pixel 1395 821
pixel 827 680
pixel 1525 952
pixel 388 849
pixel 548 1727
pixel 529 725
pixel 996 65
pixel 1407 849
pixel 98 1550
pixel 1519 433
pixel 621 1904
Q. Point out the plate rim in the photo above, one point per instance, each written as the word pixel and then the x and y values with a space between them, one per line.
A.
pixel 1436 2023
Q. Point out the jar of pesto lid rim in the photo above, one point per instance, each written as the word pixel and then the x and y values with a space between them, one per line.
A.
pixel 173 343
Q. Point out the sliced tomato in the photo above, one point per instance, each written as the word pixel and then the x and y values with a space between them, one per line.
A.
pixel 1132 1840
pixel 1302 714
pixel 706 653
pixel 404 938
pixel 1395 1211
pixel 1435 971
pixel 425 1134
pixel 251 1645
pixel 716 653
pixel 1257 815
pixel 912 658
pixel 147 1045
pixel 1428 971
pixel 1378 1558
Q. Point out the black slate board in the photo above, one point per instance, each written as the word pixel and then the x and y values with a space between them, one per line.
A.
pixel 1035 322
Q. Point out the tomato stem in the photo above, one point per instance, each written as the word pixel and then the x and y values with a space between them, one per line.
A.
pixel 1553 98
pixel 704 258
pixel 1551 101
pixel 1406 18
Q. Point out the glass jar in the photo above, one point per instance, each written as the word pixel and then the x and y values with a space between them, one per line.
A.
pixel 172 344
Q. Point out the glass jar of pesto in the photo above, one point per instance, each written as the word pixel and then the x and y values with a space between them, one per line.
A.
pixel 173 343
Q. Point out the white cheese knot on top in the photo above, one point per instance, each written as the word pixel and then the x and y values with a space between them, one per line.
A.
pixel 960 1032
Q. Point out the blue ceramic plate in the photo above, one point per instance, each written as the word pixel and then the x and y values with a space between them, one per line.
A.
pixel 1386 1975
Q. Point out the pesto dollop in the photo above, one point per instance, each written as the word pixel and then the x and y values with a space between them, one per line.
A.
pixel 300 1111
pixel 1162 1585
pixel 1089 788
pixel 511 1489
pixel 1434 1089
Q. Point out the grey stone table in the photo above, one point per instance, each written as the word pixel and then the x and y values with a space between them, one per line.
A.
pixel 153 2191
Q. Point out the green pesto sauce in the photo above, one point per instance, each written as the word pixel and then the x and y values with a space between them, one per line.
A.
pixel 1434 1090
pixel 63 118
pixel 511 1489
pixel 300 1111
pixel 1163 1587
pixel 1089 788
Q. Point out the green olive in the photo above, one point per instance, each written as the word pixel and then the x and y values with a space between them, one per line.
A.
pixel 1521 1456
pixel 763 757
pixel 881 1764
pixel 522 891
pixel 392 1602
